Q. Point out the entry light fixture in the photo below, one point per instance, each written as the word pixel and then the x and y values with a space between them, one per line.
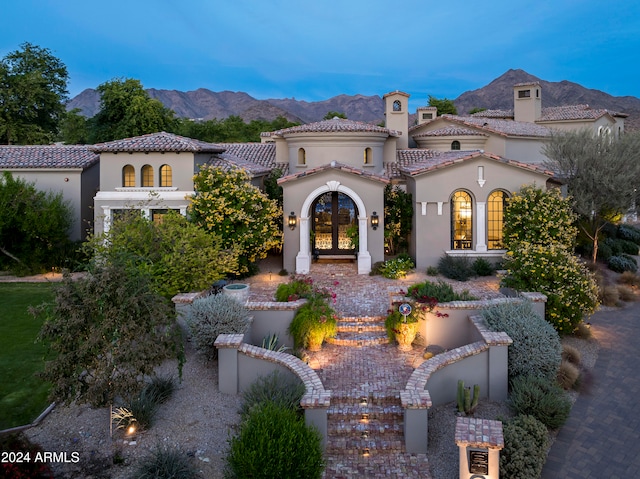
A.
pixel 293 221
pixel 375 220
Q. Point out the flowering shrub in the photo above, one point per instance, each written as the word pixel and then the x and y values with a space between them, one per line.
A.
pixel 297 287
pixel 397 268
pixel 570 287
pixel 227 204
pixel 314 322
pixel 539 217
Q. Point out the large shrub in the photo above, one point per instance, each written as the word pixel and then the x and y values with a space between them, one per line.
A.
pixel 525 448
pixel 629 233
pixel 397 267
pixel 297 287
pixel 622 263
pixel 541 398
pixel 275 442
pixel 213 315
pixel 441 292
pixel 537 216
pixel 275 388
pixel 458 268
pixel 570 287
pixel 313 323
pixel 536 348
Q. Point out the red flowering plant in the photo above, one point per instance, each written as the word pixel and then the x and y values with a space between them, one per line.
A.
pixel 427 295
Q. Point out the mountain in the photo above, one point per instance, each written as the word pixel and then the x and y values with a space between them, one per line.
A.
pixel 499 95
pixel 206 104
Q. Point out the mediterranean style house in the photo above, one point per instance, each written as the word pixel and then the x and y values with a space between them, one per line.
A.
pixel 459 171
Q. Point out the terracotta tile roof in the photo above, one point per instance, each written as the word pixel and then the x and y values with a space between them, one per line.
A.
pixel 228 162
pixel 335 125
pixel 52 156
pixel 263 154
pixel 408 158
pixel 493 114
pixel 575 112
pixel 161 141
pixel 448 158
pixel 334 165
pixel 501 127
pixel 450 131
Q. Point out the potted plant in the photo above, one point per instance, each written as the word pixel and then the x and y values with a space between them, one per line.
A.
pixel 402 328
pixel 314 322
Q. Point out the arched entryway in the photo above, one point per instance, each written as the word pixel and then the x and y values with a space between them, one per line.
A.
pixel 307 218
pixel 334 225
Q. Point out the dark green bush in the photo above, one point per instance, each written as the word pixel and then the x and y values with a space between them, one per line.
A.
pixel 525 448
pixel 166 463
pixel 629 233
pixel 604 251
pixel 536 348
pixel 455 267
pixel 628 247
pixel 275 388
pixel 298 287
pixel 432 271
pixel 314 322
pixel 274 442
pixel 481 267
pixel 614 244
pixel 542 398
pixel 441 292
pixel 621 263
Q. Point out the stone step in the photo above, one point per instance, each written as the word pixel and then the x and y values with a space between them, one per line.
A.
pixel 346 445
pixel 375 398
pixel 361 327
pixel 355 413
pixel 362 319
pixel 358 340
pixel 371 428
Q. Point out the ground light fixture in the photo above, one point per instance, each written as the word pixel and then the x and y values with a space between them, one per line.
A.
pixel 293 221
pixel 375 220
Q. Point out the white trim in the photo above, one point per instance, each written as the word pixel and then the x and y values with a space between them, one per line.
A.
pixel 143 195
pixel 481 226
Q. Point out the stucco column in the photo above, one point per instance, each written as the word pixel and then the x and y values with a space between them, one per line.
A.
pixel 481 228
pixel 106 219
pixel 303 259
pixel 364 258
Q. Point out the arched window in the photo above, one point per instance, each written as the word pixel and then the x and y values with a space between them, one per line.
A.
pixel 128 176
pixel 368 156
pixel 397 106
pixel 495 219
pixel 302 156
pixel 147 175
pixel 461 220
pixel 455 145
pixel 166 178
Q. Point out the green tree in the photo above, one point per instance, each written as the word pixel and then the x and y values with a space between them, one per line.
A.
pixel 177 255
pixel 74 129
pixel 602 174
pixel 106 332
pixel 398 218
pixel 227 205
pixel 127 110
pixel 476 110
pixel 33 90
pixel 34 225
pixel 334 114
pixel 444 105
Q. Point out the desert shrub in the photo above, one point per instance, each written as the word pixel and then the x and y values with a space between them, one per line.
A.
pixel 165 463
pixel 604 251
pixel 455 267
pixel 571 354
pixel 568 374
pixel 621 263
pixel 313 322
pixel 630 278
pixel 161 388
pixel 609 296
pixel 481 267
pixel 211 316
pixel 397 268
pixel 275 442
pixel 570 287
pixel 276 388
pixel 626 293
pixel 629 233
pixel 583 331
pixel 536 348
pixel 628 247
pixel 272 343
pixel 22 470
pixel 441 292
pixel 432 271
pixel 297 287
pixel 525 448
pixel 614 244
pixel 541 398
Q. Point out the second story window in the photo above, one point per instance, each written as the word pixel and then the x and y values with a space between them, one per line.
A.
pixel 128 176
pixel 302 157
pixel 397 106
pixel 166 178
pixel 368 156
pixel 455 145
pixel 147 175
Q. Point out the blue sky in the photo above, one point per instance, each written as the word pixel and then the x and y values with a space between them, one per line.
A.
pixel 313 50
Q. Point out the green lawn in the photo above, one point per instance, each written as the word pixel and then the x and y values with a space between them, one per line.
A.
pixel 22 395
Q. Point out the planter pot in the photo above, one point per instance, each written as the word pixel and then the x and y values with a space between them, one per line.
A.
pixel 405 335
pixel 239 291
pixel 314 346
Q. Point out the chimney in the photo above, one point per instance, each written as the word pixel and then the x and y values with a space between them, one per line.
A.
pixel 426 114
pixel 527 102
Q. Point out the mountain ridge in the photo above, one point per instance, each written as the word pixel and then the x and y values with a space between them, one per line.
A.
pixel 204 104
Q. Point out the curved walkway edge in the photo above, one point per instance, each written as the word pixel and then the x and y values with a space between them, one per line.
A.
pixel 601 437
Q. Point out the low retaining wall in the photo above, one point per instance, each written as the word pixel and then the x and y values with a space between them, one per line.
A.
pixel 240 364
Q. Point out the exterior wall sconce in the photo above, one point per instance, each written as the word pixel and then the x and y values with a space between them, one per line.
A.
pixel 375 220
pixel 293 221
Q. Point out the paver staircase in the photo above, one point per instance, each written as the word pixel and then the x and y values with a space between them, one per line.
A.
pixel 365 419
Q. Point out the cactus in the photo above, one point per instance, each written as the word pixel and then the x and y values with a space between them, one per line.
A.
pixel 467 403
